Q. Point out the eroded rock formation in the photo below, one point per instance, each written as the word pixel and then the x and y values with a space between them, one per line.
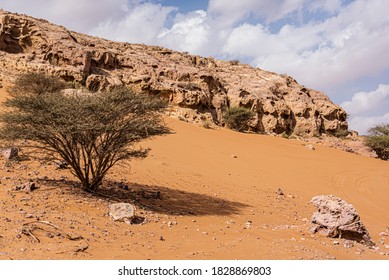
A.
pixel 199 89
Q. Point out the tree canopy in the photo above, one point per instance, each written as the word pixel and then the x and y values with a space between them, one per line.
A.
pixel 91 132
pixel 378 140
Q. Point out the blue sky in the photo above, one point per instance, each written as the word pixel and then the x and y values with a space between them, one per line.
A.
pixel 185 6
pixel 337 46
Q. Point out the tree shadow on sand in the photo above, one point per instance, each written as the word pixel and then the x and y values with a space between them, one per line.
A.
pixel 158 199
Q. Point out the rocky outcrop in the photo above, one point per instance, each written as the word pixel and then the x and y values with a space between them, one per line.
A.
pixel 199 89
pixel 336 218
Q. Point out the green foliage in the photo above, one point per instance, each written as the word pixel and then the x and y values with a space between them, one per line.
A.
pixel 285 135
pixel 90 131
pixel 341 133
pixel 237 118
pixel 37 83
pixel 207 124
pixel 382 130
pixel 378 140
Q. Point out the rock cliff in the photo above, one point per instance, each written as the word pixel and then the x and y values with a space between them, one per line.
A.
pixel 199 89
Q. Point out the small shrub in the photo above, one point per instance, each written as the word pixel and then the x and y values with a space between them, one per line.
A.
pixel 234 62
pixel 285 135
pixel 207 124
pixel 378 140
pixel 341 133
pixel 237 118
pixel 181 118
pixel 189 86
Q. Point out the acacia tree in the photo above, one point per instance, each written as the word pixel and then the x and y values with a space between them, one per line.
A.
pixel 378 140
pixel 91 132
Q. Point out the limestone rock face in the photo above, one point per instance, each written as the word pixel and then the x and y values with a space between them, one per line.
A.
pixel 336 218
pixel 198 88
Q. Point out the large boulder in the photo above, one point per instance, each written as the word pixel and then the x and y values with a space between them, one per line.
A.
pixel 337 218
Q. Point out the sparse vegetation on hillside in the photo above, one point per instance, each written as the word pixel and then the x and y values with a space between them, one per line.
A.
pixel 234 62
pixel 342 133
pixel 207 124
pixel 90 131
pixel 378 140
pixel 237 118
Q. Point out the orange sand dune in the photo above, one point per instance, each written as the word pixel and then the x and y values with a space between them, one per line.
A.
pixel 218 201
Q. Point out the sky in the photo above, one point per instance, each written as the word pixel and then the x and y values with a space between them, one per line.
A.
pixel 339 47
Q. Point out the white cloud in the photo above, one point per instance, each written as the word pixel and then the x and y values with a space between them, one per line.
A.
pixel 235 11
pixel 140 24
pixel 325 54
pixel 330 6
pixel 363 124
pixel 365 102
pixel 367 109
pixel 189 32
pixel 78 15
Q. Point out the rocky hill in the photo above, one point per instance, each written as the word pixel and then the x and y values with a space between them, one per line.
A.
pixel 199 89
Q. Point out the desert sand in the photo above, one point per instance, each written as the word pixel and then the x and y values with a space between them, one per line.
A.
pixel 200 194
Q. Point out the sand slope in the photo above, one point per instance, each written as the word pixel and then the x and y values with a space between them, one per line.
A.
pixel 218 201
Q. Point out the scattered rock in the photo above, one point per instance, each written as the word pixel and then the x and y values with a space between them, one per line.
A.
pixel 234 156
pixel 27 187
pixel 123 186
pixel 348 244
pixel 248 224
pixel 171 224
pixel 280 192
pixel 10 153
pixel 336 218
pixel 60 164
pixel 124 212
pixel 310 147
pixel 383 233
